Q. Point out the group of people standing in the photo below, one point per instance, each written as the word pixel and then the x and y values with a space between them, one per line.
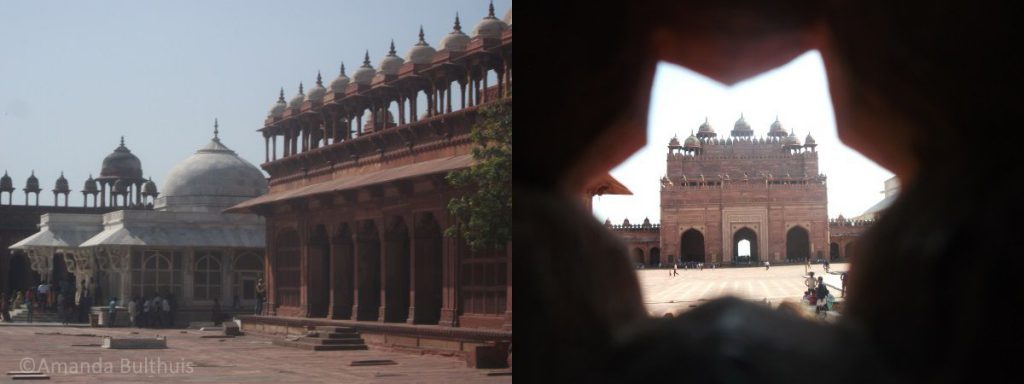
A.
pixel 817 294
pixel 153 311
pixel 48 297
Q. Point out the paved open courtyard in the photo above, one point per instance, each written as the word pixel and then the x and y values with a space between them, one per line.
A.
pixel 74 354
pixel 664 293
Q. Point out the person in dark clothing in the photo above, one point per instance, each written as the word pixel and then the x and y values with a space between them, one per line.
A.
pixel 215 312
pixel 821 292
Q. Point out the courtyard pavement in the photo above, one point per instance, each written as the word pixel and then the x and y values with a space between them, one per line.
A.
pixel 72 354
pixel 663 293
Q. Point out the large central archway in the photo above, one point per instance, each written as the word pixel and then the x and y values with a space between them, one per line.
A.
pixel 691 246
pixel 747 234
pixel 798 244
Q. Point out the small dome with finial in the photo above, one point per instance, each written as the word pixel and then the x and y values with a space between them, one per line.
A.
pixel 809 141
pixel 6 184
pixel 62 184
pixel 390 64
pixel 32 184
pixel 299 98
pixel 489 27
pixel 340 82
pixel 90 185
pixel 421 53
pixel 674 142
pixel 776 130
pixel 791 141
pixel 364 75
pixel 316 94
pixel 149 188
pixel 705 130
pixel 455 41
pixel 279 107
pixel 741 128
pixel 691 142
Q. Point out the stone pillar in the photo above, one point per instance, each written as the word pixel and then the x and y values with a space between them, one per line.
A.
pixel 227 278
pixel 450 261
pixel 188 279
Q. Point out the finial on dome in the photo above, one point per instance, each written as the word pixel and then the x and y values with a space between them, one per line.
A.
pixel 392 51
pixel 421 35
pixel 458 26
pixel 318 80
pixel 490 10
pixel 281 96
pixel 122 140
pixel 300 89
pixel 343 68
pixel 366 59
pixel 216 132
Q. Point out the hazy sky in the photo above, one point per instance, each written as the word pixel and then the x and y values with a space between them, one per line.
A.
pixel 75 75
pixel 796 92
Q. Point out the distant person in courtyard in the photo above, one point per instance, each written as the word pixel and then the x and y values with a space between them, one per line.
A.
pixel 260 295
pixel 810 282
pixel 133 311
pixel 821 292
pixel 766 265
pixel 29 309
pixel 675 271
pixel 43 293
pixel 842 278
pixel 5 308
pixel 165 312
pixel 85 306
pixel 18 300
pixel 825 263
pixel 69 309
pixel 215 313
pixel 112 312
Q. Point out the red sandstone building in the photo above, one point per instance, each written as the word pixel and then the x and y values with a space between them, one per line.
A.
pixel 717 193
pixel 358 200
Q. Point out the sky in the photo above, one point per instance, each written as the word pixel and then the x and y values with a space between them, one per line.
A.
pixel 75 76
pixel 797 93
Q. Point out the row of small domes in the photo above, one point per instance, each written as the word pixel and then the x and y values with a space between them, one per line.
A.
pixel 742 129
pixel 421 53
pixel 62 186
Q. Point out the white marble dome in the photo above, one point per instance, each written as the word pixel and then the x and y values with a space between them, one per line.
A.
pixel 391 63
pixel 421 53
pixel 279 107
pixel 365 73
pixel 490 27
pixel 211 180
pixel 316 94
pixel 339 83
pixel 298 99
pixel 455 41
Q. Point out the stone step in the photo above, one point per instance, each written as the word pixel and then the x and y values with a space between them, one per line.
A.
pixel 340 336
pixel 319 347
pixel 336 329
pixel 320 341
